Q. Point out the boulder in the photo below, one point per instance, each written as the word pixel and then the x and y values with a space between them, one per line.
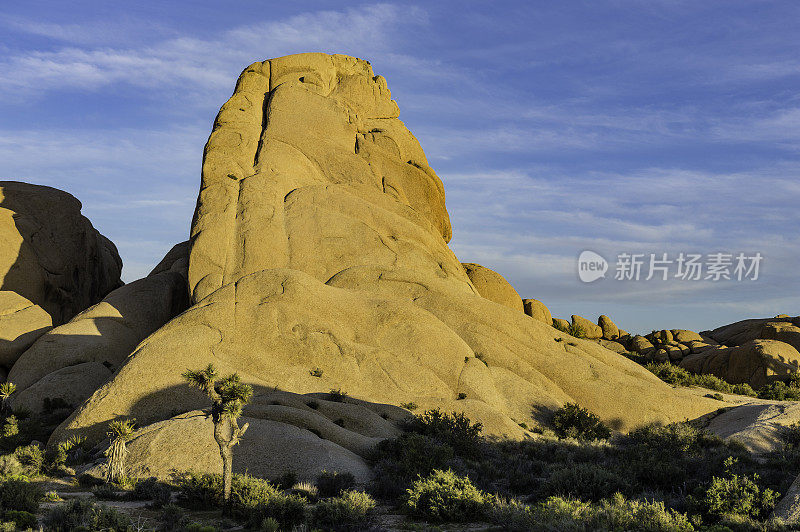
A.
pixel 610 330
pixel 104 334
pixel 623 333
pixel 784 332
pixel 698 346
pixel 493 286
pixel 756 362
pixel 561 324
pixel 641 345
pixel 21 323
pixel 319 261
pixel 50 254
pixel 739 332
pixel 613 346
pixel 176 259
pixel 537 310
pixel 590 330
pixel 788 508
pixel 662 337
pixel 683 336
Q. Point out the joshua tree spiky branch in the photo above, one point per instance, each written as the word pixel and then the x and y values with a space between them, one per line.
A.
pixel 120 432
pixel 6 390
pixel 228 397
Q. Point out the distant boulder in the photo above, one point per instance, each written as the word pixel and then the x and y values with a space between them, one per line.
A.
pixel 537 310
pixel 609 328
pixel 757 362
pixel 590 330
pixel 493 286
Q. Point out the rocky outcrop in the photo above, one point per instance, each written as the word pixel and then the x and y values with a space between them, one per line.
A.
pixel 537 310
pixel 741 332
pixel 756 362
pixel 96 342
pixel 608 327
pixel 319 261
pixel 493 286
pixel 50 254
pixel 589 329
pixel 21 323
pixel 782 331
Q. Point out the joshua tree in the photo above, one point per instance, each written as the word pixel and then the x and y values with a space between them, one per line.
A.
pixel 6 390
pixel 228 397
pixel 119 432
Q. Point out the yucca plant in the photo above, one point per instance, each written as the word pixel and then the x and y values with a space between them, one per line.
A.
pixel 6 390
pixel 228 396
pixel 119 431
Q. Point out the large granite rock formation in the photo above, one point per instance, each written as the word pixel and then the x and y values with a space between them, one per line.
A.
pixel 50 254
pixel 320 243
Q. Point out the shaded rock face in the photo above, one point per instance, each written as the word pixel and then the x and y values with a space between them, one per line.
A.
pixel 96 342
pixel 320 242
pixel 50 254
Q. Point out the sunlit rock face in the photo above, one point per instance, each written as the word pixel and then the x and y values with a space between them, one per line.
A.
pixel 320 242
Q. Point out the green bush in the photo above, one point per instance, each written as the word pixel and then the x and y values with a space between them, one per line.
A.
pixel 399 461
pixel 151 490
pixel 779 391
pixel 172 518
pixel 288 510
pixel 199 491
pixel 577 331
pixel 17 494
pixel 738 495
pixel 454 429
pixel 105 492
pixel 22 520
pixel 349 510
pixel 332 483
pixel 584 481
pixel 572 421
pixel 32 457
pixel 10 466
pixel 445 496
pixel 571 515
pixel 82 514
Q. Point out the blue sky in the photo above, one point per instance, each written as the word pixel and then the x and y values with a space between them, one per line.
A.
pixel 651 126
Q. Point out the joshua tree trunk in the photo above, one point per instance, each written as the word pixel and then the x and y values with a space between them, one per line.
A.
pixel 116 461
pixel 226 443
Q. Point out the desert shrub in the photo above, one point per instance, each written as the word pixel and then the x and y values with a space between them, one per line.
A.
pixel 348 510
pixel 409 406
pixel 332 483
pixel 616 513
pixel 779 391
pixel 791 435
pixel 577 331
pixel 445 496
pixel 105 492
pixel 32 457
pixel 199 491
pixel 399 461
pixel 288 510
pixel 172 518
pixel 456 430
pixel 286 480
pixel 572 421
pixel 584 481
pixel 737 494
pixel 673 440
pixel 69 450
pixel 316 372
pixel 151 490
pixel 337 395
pixel 18 494
pixel 307 490
pixel 82 514
pixel 22 520
pixel 562 328
pixel 10 466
